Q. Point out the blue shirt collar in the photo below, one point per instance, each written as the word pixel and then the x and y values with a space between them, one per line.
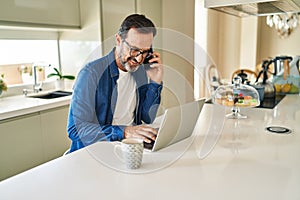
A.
pixel 113 64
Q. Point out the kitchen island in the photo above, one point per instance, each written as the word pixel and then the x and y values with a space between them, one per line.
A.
pixel 224 159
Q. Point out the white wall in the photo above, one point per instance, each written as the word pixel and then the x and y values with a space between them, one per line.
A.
pixel 178 54
pixel 272 45
pixel 78 47
pixel 224 37
pixel 244 42
pixel 248 42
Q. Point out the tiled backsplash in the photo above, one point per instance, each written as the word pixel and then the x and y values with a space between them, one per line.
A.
pixel 17 80
pixel 13 74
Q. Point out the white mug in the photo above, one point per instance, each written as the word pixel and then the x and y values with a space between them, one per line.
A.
pixel 131 152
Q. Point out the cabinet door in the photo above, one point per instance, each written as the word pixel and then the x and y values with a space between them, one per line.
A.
pixel 20 145
pixel 54 132
pixel 40 13
pixel 152 10
pixel 113 12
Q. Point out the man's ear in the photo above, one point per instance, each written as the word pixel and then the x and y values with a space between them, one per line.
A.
pixel 118 40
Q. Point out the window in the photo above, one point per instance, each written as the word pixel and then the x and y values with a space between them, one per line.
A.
pixel 19 54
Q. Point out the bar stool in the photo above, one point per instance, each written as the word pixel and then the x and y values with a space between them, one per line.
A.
pixel 213 78
pixel 245 74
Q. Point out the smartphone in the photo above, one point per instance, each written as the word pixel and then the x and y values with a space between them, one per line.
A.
pixel 149 56
pixel 147 59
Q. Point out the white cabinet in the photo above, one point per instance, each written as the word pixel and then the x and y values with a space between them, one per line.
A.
pixel 20 145
pixel 40 13
pixel 55 138
pixel 113 12
pixel 54 132
pixel 33 139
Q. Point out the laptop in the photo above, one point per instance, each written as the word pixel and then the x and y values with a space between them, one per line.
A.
pixel 176 124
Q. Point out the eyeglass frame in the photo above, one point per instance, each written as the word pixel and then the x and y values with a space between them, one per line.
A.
pixel 140 52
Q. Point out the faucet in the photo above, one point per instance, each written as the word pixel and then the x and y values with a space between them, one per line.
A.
pixel 37 87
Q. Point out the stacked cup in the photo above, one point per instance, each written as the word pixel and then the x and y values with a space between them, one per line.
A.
pixel 131 152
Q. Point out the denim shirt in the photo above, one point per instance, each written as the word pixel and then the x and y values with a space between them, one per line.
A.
pixel 94 100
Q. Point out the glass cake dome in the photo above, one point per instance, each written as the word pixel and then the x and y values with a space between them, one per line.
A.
pixel 236 95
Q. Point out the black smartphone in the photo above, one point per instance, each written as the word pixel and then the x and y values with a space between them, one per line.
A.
pixel 147 59
pixel 146 62
pixel 149 56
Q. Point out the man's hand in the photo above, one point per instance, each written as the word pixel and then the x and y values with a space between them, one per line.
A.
pixel 144 132
pixel 155 73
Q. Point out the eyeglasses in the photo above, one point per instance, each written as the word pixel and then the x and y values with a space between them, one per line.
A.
pixel 135 52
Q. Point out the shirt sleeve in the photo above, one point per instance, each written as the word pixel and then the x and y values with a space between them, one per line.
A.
pixel 83 123
pixel 150 101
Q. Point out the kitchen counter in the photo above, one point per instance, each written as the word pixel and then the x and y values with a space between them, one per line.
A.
pixel 20 105
pixel 224 159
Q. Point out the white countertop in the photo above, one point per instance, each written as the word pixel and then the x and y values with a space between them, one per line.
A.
pixel 224 159
pixel 20 105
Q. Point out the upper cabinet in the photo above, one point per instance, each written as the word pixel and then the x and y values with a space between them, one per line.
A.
pixel 113 12
pixel 59 14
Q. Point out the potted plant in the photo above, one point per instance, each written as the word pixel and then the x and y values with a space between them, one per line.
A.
pixel 3 86
pixel 60 84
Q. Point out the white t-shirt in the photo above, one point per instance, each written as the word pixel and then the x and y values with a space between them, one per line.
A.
pixel 126 101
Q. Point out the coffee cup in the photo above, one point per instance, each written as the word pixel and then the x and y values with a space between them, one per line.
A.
pixel 130 152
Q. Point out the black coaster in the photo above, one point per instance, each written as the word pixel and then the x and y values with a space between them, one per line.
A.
pixel 278 129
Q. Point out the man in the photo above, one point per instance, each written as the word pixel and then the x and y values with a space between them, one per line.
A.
pixel 115 96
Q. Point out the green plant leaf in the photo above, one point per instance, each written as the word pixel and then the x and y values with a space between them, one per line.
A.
pixel 53 74
pixel 59 74
pixel 70 77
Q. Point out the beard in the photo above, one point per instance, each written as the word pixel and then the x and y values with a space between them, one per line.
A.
pixel 129 68
pixel 126 65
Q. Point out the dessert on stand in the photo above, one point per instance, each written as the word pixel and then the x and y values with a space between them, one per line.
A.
pixel 236 95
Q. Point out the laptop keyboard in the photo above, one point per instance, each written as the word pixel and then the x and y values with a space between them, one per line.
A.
pixel 149 145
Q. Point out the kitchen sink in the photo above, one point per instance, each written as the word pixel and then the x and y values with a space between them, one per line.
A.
pixel 51 95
